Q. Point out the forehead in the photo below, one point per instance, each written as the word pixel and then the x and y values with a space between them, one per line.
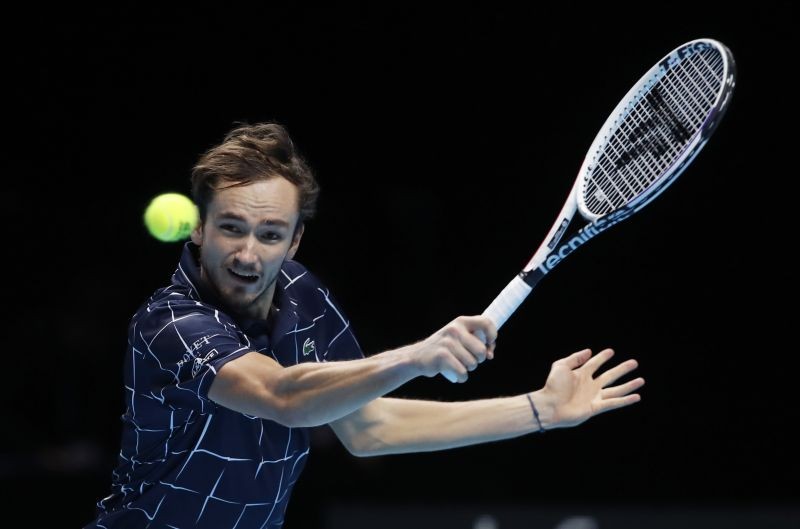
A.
pixel 276 198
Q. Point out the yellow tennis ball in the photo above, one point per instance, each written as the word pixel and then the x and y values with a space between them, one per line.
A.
pixel 171 217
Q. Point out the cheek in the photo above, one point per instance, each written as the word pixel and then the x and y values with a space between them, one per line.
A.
pixel 211 257
pixel 273 263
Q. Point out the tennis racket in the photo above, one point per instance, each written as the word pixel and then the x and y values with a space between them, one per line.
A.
pixel 649 139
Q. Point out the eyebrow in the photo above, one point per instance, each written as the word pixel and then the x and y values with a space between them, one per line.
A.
pixel 268 222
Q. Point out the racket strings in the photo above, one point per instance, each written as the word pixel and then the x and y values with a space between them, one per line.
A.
pixel 654 132
pixel 661 131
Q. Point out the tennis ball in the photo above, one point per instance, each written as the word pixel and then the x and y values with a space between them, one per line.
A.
pixel 171 217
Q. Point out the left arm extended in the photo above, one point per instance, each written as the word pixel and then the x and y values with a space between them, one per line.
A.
pixel 397 426
pixel 570 396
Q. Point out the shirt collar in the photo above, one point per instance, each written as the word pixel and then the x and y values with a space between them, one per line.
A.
pixel 283 315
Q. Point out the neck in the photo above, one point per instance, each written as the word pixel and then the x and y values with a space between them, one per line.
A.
pixel 264 304
pixel 261 308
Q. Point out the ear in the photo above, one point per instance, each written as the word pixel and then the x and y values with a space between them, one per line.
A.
pixel 298 234
pixel 197 234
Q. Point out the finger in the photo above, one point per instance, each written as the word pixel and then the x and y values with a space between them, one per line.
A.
pixel 621 402
pixel 460 335
pixel 450 375
pixel 465 357
pixel 611 376
pixel 480 324
pixel 622 389
pixel 577 359
pixel 490 350
pixel 474 345
pixel 594 363
pixel 455 372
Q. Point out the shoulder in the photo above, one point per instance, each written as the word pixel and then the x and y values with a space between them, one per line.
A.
pixel 304 287
pixel 175 307
pixel 306 290
pixel 296 278
pixel 327 327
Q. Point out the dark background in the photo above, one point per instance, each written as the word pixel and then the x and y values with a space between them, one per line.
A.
pixel 445 143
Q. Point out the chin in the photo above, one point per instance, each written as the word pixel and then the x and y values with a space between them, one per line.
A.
pixel 243 304
pixel 240 302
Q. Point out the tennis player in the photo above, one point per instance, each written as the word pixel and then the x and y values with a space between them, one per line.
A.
pixel 229 365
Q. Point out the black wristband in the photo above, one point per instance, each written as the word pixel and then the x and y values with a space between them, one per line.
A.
pixel 535 414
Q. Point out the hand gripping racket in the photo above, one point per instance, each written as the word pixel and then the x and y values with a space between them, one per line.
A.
pixel 652 135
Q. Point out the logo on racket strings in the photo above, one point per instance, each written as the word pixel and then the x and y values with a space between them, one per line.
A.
pixel 682 53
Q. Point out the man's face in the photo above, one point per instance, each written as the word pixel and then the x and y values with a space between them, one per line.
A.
pixel 248 233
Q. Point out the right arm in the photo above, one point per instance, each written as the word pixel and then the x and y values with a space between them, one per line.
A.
pixel 310 394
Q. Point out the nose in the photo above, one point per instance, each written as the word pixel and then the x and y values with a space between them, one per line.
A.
pixel 246 254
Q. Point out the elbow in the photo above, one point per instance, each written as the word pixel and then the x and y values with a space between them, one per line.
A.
pixel 292 414
pixel 288 407
pixel 292 411
pixel 359 451
pixel 365 433
pixel 363 445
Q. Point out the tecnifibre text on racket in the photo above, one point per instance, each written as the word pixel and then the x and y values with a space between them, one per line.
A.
pixel 652 135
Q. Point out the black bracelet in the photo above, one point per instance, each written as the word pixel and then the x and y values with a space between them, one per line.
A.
pixel 535 414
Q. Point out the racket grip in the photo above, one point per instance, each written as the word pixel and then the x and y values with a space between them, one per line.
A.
pixel 501 309
pixel 507 302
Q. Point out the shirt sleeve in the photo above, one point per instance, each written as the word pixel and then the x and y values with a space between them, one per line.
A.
pixel 179 348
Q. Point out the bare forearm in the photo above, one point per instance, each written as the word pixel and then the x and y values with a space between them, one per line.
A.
pixel 318 393
pixel 394 426
pixel 572 394
pixel 311 394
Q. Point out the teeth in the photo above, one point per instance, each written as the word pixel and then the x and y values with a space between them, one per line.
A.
pixel 243 274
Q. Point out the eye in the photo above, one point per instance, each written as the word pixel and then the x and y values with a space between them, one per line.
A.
pixel 271 236
pixel 231 228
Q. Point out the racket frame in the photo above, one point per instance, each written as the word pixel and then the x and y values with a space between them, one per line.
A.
pixel 548 255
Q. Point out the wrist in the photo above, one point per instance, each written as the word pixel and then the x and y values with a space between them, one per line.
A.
pixel 408 362
pixel 543 409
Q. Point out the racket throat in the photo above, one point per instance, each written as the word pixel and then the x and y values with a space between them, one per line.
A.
pixel 556 255
pixel 532 277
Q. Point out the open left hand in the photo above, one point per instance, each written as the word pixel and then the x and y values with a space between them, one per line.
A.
pixel 573 394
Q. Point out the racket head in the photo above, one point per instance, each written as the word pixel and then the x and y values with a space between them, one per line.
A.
pixel 656 130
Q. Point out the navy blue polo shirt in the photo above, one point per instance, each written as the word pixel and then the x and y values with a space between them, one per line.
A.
pixel 187 462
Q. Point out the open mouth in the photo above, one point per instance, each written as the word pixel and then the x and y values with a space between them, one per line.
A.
pixel 244 277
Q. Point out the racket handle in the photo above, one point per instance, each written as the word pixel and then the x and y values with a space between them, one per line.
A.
pixel 507 302
pixel 501 309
